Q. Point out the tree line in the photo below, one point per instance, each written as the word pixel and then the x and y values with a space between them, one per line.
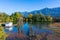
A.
pixel 31 18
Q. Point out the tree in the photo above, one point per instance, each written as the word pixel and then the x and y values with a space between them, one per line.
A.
pixel 30 17
pixel 42 17
pixel 18 20
pixel 36 17
pixel 49 18
pixel 26 19
pixel 15 17
pixel 3 17
pixel 8 19
pixel 3 35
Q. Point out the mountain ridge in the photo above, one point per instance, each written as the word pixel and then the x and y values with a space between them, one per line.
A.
pixel 54 12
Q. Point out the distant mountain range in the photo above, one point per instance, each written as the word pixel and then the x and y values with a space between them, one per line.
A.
pixel 54 12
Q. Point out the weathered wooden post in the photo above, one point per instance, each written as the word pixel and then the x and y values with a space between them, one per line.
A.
pixel 20 24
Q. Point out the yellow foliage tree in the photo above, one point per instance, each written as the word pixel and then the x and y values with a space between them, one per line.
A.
pixel 30 15
pixel 8 19
pixel 3 35
pixel 50 18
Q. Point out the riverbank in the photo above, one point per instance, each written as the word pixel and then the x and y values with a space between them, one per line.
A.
pixel 55 27
pixel 57 24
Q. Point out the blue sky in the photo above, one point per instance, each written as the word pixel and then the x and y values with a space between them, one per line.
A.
pixel 10 6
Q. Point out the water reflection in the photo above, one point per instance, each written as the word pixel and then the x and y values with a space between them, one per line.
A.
pixel 35 27
pixel 31 31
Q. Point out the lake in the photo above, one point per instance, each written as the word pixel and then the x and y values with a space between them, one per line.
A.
pixel 39 31
pixel 36 28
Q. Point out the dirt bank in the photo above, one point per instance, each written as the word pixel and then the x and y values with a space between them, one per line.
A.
pixel 57 24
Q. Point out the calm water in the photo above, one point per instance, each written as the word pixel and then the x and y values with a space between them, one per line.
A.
pixel 36 28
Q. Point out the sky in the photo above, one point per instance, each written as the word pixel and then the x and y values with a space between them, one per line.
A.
pixel 11 6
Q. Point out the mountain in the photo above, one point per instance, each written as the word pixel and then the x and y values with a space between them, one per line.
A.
pixel 54 12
